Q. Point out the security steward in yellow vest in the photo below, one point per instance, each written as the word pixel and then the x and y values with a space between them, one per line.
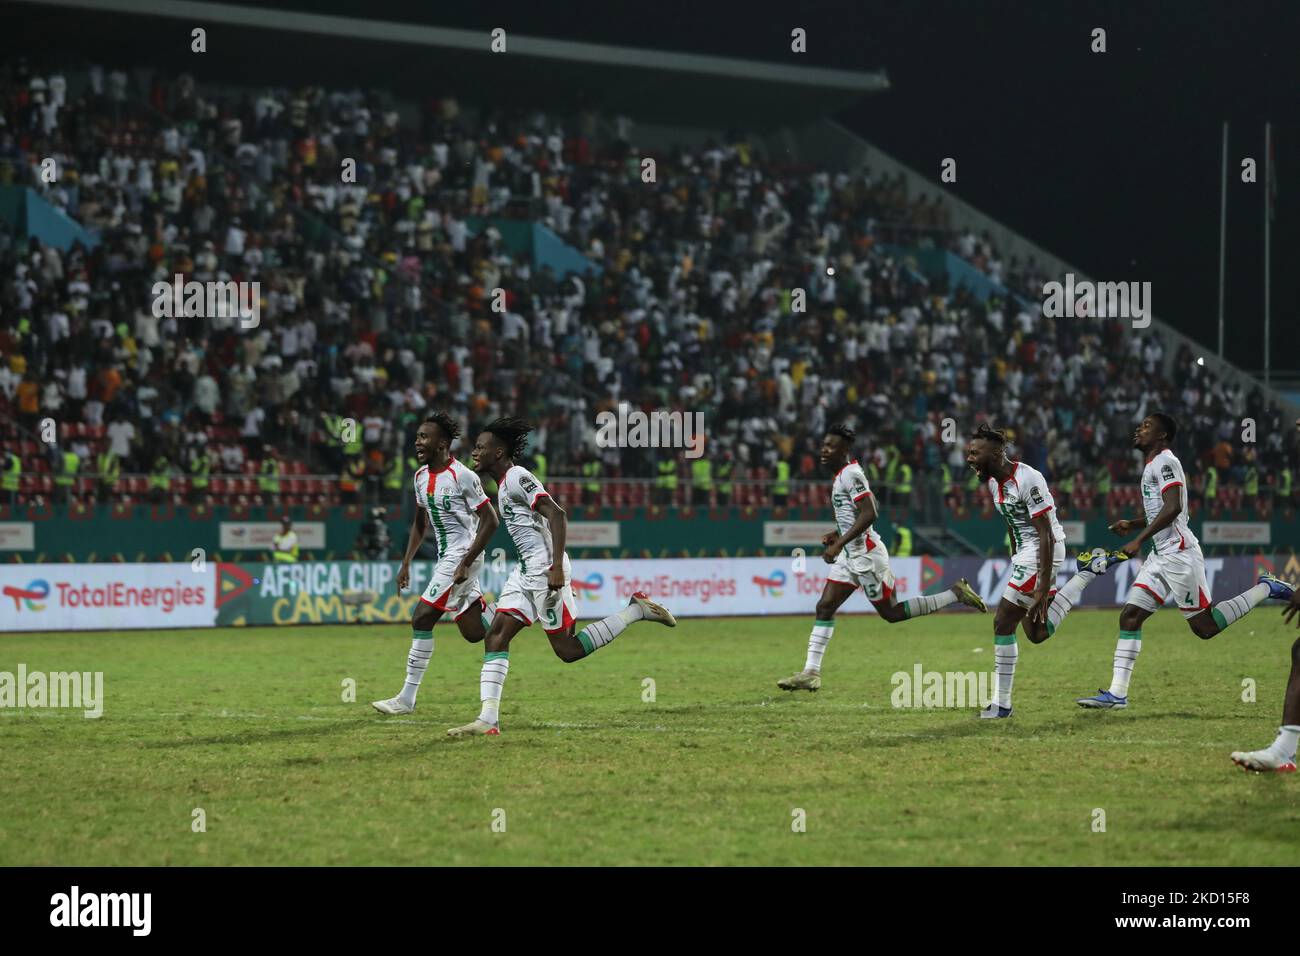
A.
pixel 11 479
pixel 725 469
pixel 200 469
pixel 1211 485
pixel 701 480
pixel 109 468
pixel 69 463
pixel 903 549
pixel 268 483
pixel 354 473
pixel 592 469
pixel 160 479
pixel 666 482
pixel 903 490
pixel 285 543
pixel 781 487
pixel 1250 485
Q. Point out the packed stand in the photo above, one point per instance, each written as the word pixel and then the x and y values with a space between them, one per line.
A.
pixel 377 307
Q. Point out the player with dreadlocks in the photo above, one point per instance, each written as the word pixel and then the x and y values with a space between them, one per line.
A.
pixel 449 497
pixel 858 559
pixel 538 588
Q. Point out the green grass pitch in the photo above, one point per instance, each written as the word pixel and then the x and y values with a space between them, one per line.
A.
pixel 251 727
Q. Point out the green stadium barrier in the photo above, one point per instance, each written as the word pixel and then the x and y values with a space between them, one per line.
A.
pixel 51 533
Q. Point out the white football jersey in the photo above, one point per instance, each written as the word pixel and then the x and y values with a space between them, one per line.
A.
pixel 1020 499
pixel 1163 471
pixel 451 497
pixel 517 496
pixel 849 487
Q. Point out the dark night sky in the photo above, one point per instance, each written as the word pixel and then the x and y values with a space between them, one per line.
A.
pixel 1109 160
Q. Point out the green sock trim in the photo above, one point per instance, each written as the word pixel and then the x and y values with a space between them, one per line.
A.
pixel 907 612
pixel 823 623
pixel 1004 639
pixel 585 641
pixel 1130 635
pixel 1051 628
pixel 496 656
pixel 1219 619
pixel 422 635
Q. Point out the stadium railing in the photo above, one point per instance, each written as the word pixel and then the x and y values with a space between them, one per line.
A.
pixel 927 500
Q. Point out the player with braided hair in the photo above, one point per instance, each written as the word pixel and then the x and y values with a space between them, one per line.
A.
pixel 539 587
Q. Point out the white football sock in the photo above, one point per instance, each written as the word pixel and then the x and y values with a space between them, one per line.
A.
pixel 595 636
pixel 496 664
pixel 1288 735
pixel 1066 598
pixel 927 603
pixel 1126 654
pixel 417 662
pixel 1234 609
pixel 817 641
pixel 1005 654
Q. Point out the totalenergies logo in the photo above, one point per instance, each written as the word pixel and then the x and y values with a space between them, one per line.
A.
pixel 770 586
pixel 590 588
pixel 35 591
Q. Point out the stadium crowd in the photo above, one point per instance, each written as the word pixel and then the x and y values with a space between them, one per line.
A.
pixel 377 306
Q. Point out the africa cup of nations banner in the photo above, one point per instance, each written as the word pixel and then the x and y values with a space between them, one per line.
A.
pixel 358 591
pixel 59 597
pixel 319 592
pixel 94 597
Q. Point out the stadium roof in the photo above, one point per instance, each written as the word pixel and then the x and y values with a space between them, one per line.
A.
pixel 650 85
